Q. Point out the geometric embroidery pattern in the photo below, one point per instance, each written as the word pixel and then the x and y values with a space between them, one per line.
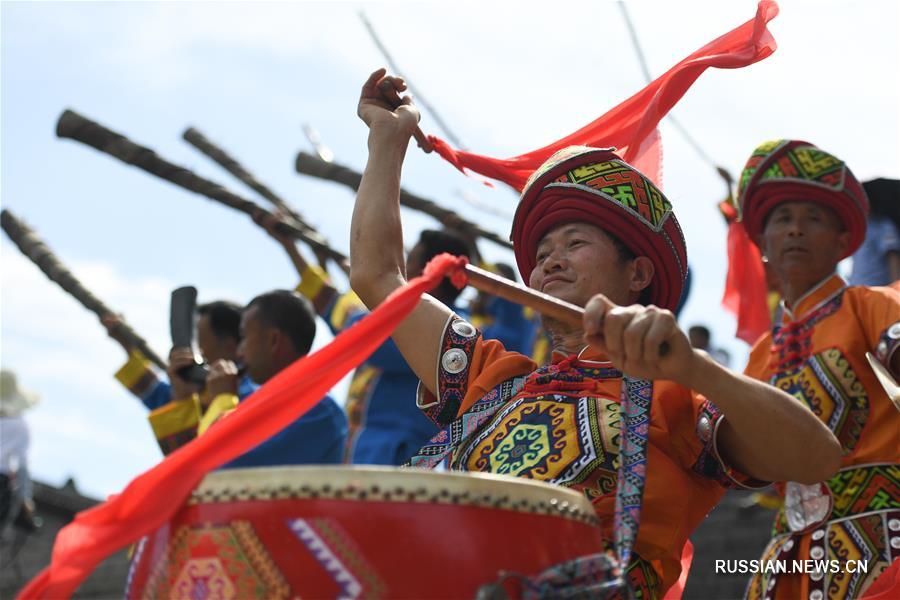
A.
pixel 829 386
pixel 857 490
pixel 805 164
pixel 636 398
pixel 339 557
pixel 569 441
pixel 617 182
pixel 216 561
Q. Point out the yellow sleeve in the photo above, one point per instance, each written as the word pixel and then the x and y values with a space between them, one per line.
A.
pixel 220 405
pixel 139 375
pixel 175 423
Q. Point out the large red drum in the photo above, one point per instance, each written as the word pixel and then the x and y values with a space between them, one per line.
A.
pixel 368 532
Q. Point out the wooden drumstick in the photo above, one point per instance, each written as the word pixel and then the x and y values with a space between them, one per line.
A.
pixel 543 303
pixel 393 98
pixel 515 292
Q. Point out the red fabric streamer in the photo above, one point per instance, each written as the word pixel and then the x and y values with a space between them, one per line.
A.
pixel 631 126
pixel 887 586
pixel 152 498
pixel 687 557
pixel 745 285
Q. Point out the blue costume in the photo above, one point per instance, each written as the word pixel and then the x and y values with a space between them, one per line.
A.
pixel 317 437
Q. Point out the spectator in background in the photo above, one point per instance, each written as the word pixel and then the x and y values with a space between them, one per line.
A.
pixel 701 339
pixel 877 262
pixel 277 329
pixel 386 426
pixel 806 211
pixel 218 336
pixel 16 504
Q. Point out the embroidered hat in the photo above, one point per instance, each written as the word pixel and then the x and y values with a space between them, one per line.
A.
pixel 792 170
pixel 594 185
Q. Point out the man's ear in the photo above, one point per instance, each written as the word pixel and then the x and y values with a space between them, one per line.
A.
pixel 275 339
pixel 642 274
pixel 842 243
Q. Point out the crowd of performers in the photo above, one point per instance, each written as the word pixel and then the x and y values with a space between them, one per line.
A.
pixel 482 389
pixel 496 388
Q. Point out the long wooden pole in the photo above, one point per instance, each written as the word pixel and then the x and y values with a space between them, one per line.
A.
pixel 231 164
pixel 308 164
pixel 37 251
pixel 74 126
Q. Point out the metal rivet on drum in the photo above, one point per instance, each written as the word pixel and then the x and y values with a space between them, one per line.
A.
pixel 882 348
pixel 787 546
pixel 704 428
pixel 771 583
pixel 818 534
pixel 464 329
pixel 454 360
pixel 894 524
pixel 894 331
pixel 895 543
pixel 817 553
pixel 816 595
pixel 817 575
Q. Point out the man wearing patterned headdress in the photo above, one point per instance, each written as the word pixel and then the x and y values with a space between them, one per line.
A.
pixel 806 211
pixel 593 231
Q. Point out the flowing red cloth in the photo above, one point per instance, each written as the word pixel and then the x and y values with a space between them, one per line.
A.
pixel 687 557
pixel 745 285
pixel 887 586
pixel 152 498
pixel 631 126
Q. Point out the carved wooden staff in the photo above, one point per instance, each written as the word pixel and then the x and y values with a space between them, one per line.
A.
pixel 74 126
pixel 37 251
pixel 316 167
pixel 230 164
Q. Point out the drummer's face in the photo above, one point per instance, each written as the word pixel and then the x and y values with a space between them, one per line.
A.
pixel 576 261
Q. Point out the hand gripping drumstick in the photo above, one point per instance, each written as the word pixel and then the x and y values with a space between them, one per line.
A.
pixel 393 98
pixel 543 303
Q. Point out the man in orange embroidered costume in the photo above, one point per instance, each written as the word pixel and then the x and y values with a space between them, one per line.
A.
pixel 806 211
pixel 593 231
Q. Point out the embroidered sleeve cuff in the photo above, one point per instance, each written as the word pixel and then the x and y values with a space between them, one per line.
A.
pixel 888 344
pixel 175 423
pixel 457 346
pixel 710 463
pixel 139 375
pixel 316 286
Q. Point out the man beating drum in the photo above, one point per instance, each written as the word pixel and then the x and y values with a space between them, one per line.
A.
pixel 592 231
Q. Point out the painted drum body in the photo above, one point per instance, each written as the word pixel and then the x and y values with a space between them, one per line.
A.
pixel 346 532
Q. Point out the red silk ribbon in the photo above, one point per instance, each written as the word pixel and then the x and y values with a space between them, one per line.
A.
pixel 152 498
pixel 746 289
pixel 631 126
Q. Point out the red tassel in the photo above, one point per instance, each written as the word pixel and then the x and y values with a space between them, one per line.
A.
pixel 631 126
pixel 745 285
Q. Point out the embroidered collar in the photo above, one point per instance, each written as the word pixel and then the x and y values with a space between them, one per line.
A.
pixel 818 295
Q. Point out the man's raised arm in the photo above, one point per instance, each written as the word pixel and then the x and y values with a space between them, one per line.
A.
pixel 377 263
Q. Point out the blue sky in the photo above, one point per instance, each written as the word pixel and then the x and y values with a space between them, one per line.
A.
pixel 508 77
